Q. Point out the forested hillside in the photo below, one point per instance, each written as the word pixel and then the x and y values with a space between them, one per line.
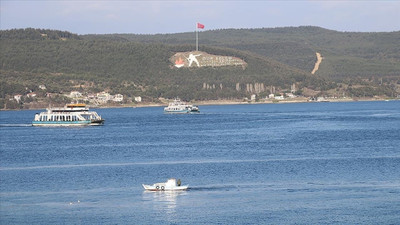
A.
pixel 139 65
pixel 345 53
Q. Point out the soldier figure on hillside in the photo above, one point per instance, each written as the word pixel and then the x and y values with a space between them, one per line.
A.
pixel 192 58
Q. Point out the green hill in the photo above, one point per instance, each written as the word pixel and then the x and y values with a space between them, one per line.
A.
pixel 347 54
pixel 136 65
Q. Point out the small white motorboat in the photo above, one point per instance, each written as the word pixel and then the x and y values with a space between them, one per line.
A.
pixel 171 185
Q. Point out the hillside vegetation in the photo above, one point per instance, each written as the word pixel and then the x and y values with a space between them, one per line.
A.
pixel 346 53
pixel 138 65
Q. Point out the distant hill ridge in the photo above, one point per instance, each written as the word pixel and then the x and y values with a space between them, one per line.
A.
pixel 37 34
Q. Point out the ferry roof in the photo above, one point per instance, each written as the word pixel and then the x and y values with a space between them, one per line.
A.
pixel 78 107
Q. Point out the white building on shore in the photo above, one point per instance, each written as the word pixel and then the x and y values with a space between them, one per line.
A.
pixel 138 99
pixel 75 94
pixel 118 98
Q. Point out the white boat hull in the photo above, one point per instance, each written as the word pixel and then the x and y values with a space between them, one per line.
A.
pixel 180 111
pixel 164 188
pixel 59 123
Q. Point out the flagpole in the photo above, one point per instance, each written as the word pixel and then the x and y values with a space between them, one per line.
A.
pixel 197 39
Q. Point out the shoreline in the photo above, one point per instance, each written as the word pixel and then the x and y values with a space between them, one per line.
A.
pixel 223 102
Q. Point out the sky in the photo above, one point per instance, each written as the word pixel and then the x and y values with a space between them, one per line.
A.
pixel 154 17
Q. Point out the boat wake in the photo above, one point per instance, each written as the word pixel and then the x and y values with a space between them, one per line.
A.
pixel 214 188
pixel 16 125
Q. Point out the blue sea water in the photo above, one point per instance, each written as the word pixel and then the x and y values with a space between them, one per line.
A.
pixel 309 163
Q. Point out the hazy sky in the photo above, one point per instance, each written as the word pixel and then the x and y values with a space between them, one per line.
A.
pixel 151 17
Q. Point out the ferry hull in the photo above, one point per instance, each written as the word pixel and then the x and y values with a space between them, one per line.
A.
pixel 67 123
pixel 181 112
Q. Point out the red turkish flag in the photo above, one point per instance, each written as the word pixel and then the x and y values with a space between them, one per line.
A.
pixel 200 26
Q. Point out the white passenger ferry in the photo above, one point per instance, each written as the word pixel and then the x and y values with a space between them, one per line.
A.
pixel 177 106
pixel 70 115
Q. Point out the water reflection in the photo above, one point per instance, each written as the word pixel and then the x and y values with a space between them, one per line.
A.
pixel 165 202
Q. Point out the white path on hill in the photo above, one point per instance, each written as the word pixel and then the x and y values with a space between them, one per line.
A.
pixel 319 60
